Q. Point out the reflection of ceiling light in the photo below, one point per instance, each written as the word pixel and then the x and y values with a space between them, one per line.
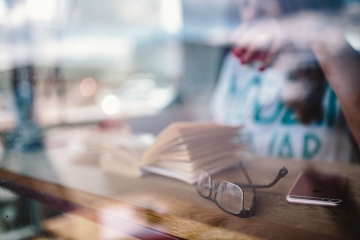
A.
pixel 110 104
pixel 88 87
pixel 3 13
pixel 171 16
pixel 42 10
pixel 18 15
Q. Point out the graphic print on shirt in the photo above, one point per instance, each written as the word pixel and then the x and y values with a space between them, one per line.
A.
pixel 247 97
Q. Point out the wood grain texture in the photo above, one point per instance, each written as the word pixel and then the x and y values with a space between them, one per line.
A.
pixel 173 207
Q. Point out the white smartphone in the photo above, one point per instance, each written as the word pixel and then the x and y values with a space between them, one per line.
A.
pixel 315 188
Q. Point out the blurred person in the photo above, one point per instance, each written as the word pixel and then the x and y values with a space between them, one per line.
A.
pixel 289 72
pixel 23 86
pixel 27 135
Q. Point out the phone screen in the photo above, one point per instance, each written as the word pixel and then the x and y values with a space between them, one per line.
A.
pixel 321 186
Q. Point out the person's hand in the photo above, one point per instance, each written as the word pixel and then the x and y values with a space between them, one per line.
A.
pixel 261 40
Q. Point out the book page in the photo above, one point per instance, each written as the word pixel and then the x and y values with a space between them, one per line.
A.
pixel 183 149
pixel 184 133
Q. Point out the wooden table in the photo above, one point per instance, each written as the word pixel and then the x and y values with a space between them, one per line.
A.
pixel 156 207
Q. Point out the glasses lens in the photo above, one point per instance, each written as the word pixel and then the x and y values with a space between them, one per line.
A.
pixel 230 197
pixel 204 184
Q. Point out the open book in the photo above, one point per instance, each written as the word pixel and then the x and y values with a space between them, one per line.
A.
pixel 180 151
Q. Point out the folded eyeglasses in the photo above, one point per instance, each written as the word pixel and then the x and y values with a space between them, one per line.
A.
pixel 229 196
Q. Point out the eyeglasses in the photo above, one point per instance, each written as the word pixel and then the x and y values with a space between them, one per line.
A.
pixel 229 196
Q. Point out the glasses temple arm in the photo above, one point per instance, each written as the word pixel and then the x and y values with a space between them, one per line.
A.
pixel 251 211
pixel 282 173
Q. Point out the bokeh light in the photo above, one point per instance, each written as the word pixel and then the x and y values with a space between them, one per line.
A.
pixel 88 87
pixel 110 104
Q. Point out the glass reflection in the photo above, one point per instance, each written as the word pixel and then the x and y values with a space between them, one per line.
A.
pixel 83 82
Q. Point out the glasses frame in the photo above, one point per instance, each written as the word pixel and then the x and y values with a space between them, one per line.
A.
pixel 244 213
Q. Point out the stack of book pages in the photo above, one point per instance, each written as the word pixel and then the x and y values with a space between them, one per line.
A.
pixel 180 151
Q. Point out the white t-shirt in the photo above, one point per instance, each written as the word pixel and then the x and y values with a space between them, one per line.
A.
pixel 249 97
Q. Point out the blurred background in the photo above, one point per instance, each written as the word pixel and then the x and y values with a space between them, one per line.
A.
pixel 135 63
pixel 95 60
pixel 69 68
